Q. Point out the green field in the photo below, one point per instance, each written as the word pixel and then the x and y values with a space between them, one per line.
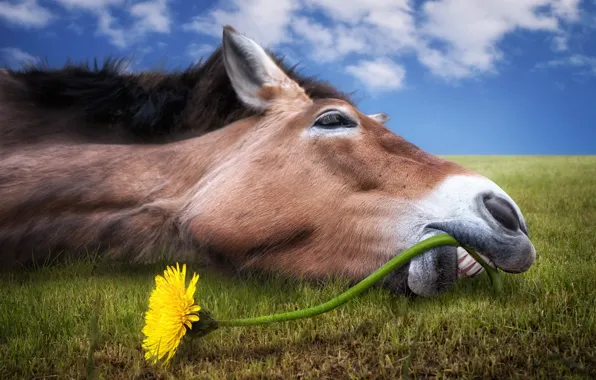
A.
pixel 543 326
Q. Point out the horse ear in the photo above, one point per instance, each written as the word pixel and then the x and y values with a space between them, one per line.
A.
pixel 380 117
pixel 251 69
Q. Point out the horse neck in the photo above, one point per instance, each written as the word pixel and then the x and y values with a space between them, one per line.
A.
pixel 127 198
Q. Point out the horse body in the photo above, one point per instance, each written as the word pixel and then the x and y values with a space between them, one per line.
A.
pixel 239 161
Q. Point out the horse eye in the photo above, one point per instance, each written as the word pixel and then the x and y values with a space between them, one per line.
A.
pixel 334 119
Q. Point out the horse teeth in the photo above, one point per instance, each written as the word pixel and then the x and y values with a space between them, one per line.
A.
pixel 466 265
pixel 488 261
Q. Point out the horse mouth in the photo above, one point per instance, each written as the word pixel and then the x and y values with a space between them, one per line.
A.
pixel 436 270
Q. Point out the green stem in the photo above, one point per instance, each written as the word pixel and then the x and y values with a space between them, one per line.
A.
pixel 354 291
pixel 207 323
pixel 493 274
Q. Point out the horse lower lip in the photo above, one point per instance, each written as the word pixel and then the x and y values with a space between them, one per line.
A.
pixel 432 272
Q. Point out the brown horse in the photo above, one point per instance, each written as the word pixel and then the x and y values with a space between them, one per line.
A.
pixel 238 161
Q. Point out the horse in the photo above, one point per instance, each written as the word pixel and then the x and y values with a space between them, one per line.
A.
pixel 239 162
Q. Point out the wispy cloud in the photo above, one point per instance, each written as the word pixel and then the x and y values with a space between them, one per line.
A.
pixel 77 29
pixel 108 26
pixel 89 4
pixel 151 16
pixel 330 43
pixel 14 57
pixel 25 13
pixel 454 39
pixel 584 65
pixel 471 31
pixel 379 75
pixel 196 51
pixel 560 43
pixel 266 21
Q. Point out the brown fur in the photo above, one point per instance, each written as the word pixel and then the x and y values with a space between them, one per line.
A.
pixel 100 104
pixel 255 194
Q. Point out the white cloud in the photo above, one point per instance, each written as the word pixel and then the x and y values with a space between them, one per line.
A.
pixel 352 40
pixel 471 31
pixel 568 10
pixel 573 60
pixel 443 65
pixel 559 43
pixel 152 16
pixel 266 21
pixel 77 29
pixel 371 28
pixel 89 4
pixel 397 24
pixel 381 74
pixel 454 39
pixel 318 35
pixel 15 58
pixel 374 27
pixel 106 25
pixel 354 12
pixel 196 51
pixel 328 44
pixel 26 13
pixel 585 64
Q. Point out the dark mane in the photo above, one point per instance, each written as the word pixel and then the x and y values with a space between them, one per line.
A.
pixel 150 106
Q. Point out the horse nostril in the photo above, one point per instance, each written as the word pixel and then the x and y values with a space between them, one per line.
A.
pixel 502 211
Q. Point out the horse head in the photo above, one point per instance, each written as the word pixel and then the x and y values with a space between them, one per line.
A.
pixel 297 184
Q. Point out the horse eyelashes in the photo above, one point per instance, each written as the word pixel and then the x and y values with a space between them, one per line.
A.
pixel 334 120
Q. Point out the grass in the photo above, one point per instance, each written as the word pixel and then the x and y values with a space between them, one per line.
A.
pixel 84 319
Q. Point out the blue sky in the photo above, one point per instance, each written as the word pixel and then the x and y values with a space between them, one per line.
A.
pixel 456 76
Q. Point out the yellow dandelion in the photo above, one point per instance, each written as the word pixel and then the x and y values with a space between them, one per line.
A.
pixel 171 310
